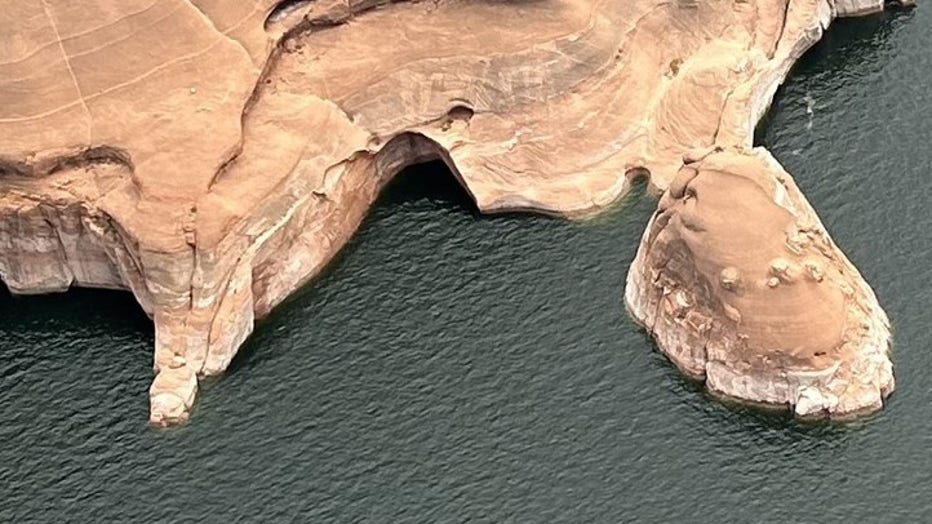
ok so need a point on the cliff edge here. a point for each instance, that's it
(212, 156)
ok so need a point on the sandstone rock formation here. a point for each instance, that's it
(787, 322)
(212, 156)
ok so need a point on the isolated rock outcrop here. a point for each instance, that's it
(212, 156)
(740, 285)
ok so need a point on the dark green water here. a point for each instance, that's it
(451, 367)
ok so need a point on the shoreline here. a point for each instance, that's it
(266, 207)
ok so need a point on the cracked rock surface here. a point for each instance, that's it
(212, 156)
(786, 322)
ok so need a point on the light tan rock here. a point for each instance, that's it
(819, 345)
(858, 7)
(171, 395)
(212, 156)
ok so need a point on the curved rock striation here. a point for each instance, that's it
(213, 156)
(740, 285)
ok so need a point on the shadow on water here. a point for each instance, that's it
(850, 47)
(55, 337)
(103, 309)
(430, 182)
(852, 43)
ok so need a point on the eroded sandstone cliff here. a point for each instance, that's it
(213, 156)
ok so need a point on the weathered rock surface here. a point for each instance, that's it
(213, 156)
(740, 285)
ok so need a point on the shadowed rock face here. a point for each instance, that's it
(213, 156)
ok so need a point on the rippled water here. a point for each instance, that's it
(456, 367)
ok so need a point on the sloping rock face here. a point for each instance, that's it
(213, 156)
(740, 285)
